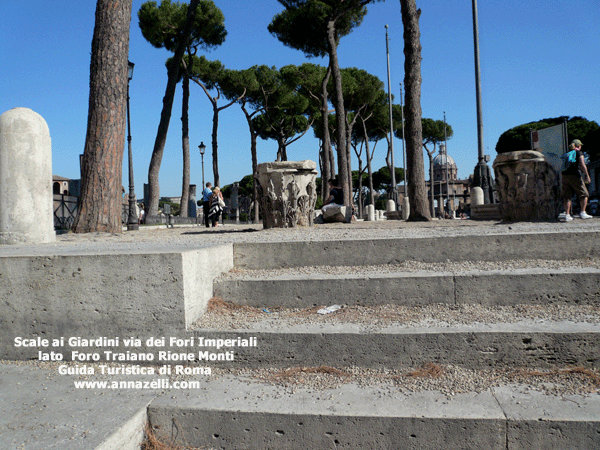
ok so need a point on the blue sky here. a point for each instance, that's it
(538, 58)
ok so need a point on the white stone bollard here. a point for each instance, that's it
(371, 213)
(26, 203)
(405, 208)
(477, 196)
(391, 206)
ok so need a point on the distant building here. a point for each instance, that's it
(66, 197)
(60, 185)
(448, 191)
(65, 186)
(173, 199)
(444, 166)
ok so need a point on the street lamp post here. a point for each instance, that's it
(482, 177)
(403, 148)
(393, 169)
(447, 164)
(132, 221)
(202, 148)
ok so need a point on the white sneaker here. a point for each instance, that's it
(567, 218)
(584, 215)
(562, 216)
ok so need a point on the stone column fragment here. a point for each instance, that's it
(527, 186)
(287, 193)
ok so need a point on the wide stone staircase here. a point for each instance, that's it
(463, 342)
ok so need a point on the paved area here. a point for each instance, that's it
(42, 409)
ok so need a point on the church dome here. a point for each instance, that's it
(443, 160)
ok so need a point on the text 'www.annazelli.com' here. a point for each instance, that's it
(158, 383)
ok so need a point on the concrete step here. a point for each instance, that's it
(237, 413)
(41, 410)
(558, 245)
(428, 407)
(382, 285)
(469, 336)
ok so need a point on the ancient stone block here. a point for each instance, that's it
(337, 213)
(527, 186)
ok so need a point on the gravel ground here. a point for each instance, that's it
(415, 266)
(186, 237)
(447, 379)
(226, 316)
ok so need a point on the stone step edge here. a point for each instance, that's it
(498, 287)
(344, 346)
(233, 414)
(492, 247)
(543, 345)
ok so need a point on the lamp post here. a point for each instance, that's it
(482, 176)
(403, 148)
(393, 168)
(447, 164)
(202, 149)
(132, 222)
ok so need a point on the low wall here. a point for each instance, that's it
(105, 295)
(172, 220)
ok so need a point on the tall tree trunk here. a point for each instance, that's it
(360, 185)
(417, 192)
(349, 169)
(340, 114)
(253, 136)
(369, 159)
(185, 144)
(360, 189)
(165, 115)
(101, 185)
(322, 168)
(215, 145)
(349, 156)
(255, 198)
(215, 129)
(327, 171)
(332, 162)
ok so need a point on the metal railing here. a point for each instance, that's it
(65, 210)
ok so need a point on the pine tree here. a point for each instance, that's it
(100, 201)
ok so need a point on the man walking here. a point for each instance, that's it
(573, 183)
(206, 194)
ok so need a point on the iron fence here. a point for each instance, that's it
(65, 211)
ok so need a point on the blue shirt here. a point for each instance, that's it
(206, 193)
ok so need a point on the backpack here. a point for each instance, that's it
(570, 158)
